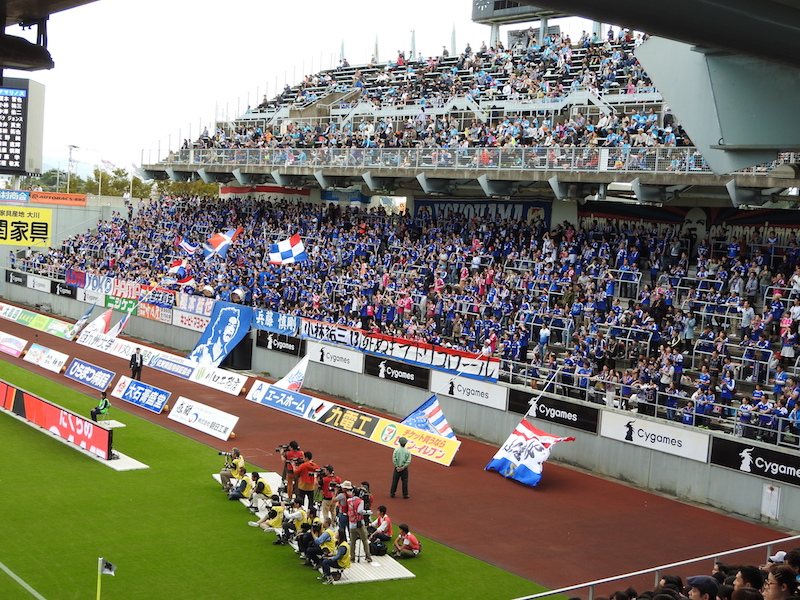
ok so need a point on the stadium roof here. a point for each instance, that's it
(19, 53)
(768, 29)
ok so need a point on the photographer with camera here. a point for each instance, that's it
(306, 474)
(341, 560)
(406, 545)
(261, 492)
(292, 456)
(293, 519)
(243, 486)
(233, 461)
(323, 544)
(381, 528)
(274, 517)
(307, 531)
(327, 482)
(355, 519)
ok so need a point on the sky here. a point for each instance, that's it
(140, 75)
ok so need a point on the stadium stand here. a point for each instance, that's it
(635, 318)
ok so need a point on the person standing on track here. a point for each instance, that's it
(401, 458)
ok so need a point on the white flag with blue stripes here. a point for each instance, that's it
(429, 417)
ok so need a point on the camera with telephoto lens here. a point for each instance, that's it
(227, 455)
(283, 448)
(363, 493)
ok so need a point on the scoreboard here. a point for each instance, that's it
(21, 126)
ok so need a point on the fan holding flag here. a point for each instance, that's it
(287, 251)
(218, 244)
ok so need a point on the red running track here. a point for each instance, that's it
(573, 527)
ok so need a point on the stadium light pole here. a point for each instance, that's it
(69, 165)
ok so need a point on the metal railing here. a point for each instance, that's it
(656, 571)
(686, 160)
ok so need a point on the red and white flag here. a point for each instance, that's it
(293, 380)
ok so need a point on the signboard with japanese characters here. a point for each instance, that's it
(25, 226)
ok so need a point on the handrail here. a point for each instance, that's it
(594, 159)
(657, 570)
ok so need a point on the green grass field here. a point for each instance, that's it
(169, 530)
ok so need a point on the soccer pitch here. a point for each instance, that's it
(168, 529)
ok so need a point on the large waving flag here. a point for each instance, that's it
(219, 243)
(523, 455)
(76, 329)
(429, 417)
(288, 251)
(101, 323)
(293, 380)
(186, 245)
(179, 268)
(117, 329)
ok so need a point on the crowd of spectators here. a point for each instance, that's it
(775, 580)
(591, 300)
(487, 75)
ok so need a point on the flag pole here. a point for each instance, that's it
(99, 575)
(550, 379)
(439, 391)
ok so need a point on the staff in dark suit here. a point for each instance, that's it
(137, 360)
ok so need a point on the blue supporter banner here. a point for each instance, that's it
(141, 394)
(276, 322)
(228, 325)
(293, 403)
(174, 366)
(89, 374)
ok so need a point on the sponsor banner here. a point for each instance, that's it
(64, 290)
(481, 208)
(155, 313)
(395, 371)
(141, 394)
(655, 436)
(469, 389)
(61, 422)
(89, 374)
(554, 410)
(11, 344)
(26, 226)
(39, 283)
(99, 283)
(188, 320)
(219, 379)
(198, 305)
(426, 355)
(126, 305)
(228, 325)
(203, 418)
(35, 321)
(270, 320)
(14, 196)
(343, 418)
(282, 399)
(754, 460)
(174, 365)
(76, 278)
(47, 358)
(17, 278)
(124, 288)
(54, 198)
(91, 297)
(336, 356)
(157, 296)
(280, 343)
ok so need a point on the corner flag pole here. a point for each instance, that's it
(99, 575)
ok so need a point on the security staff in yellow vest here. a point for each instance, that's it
(323, 544)
(340, 561)
(293, 518)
